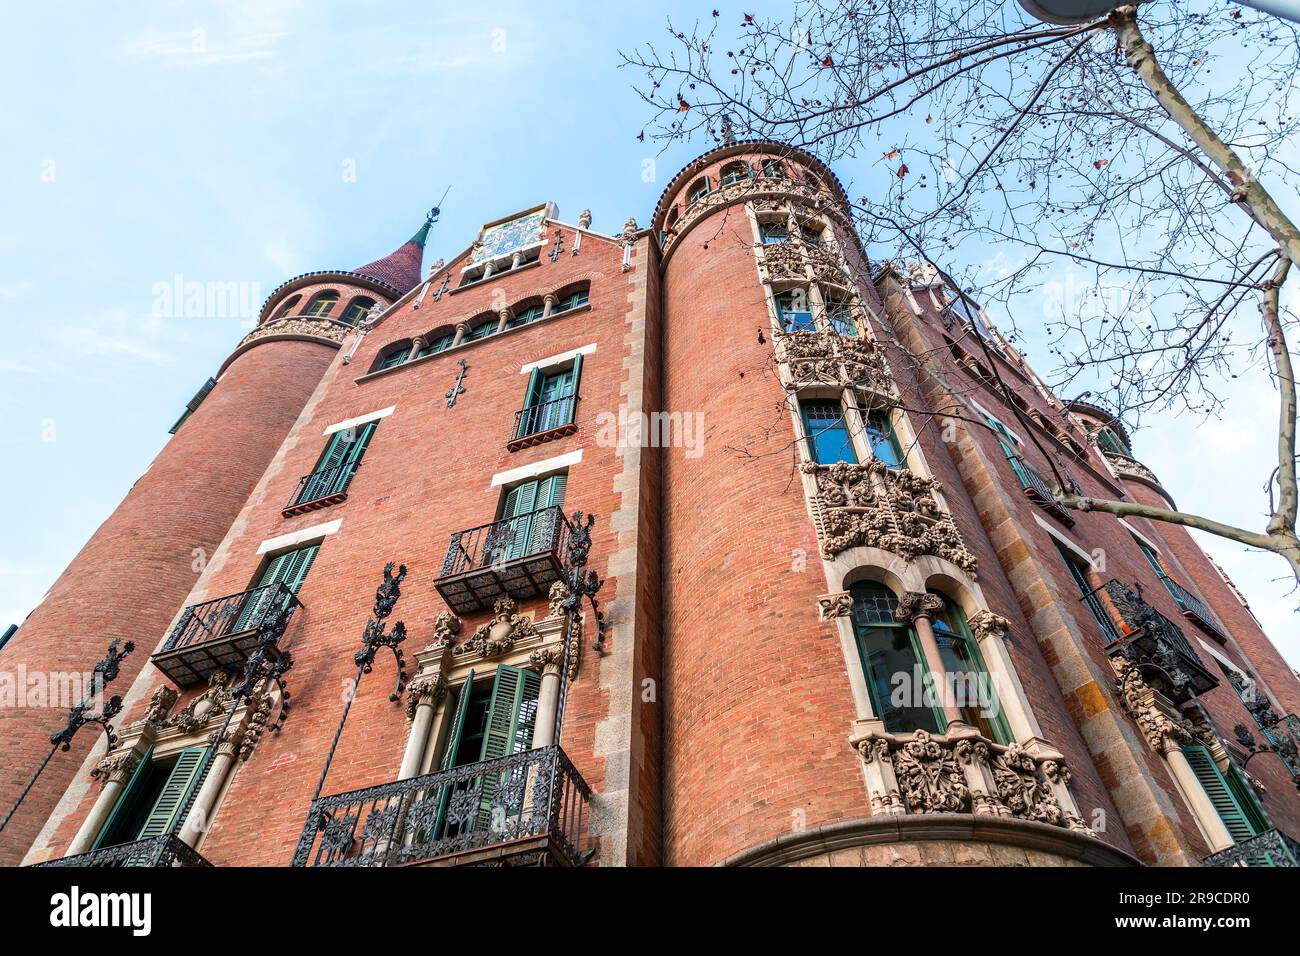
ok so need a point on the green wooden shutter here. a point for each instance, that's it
(511, 713)
(354, 451)
(550, 494)
(1221, 794)
(173, 801)
(569, 409)
(449, 751)
(514, 533)
(131, 796)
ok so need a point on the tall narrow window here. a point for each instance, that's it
(338, 463)
(551, 399)
(826, 432)
(322, 304)
(891, 659)
(773, 232)
(773, 169)
(1230, 795)
(1079, 574)
(491, 720)
(530, 517)
(698, 191)
(884, 443)
(812, 235)
(977, 698)
(1108, 440)
(157, 799)
(793, 308)
(358, 309)
(839, 313)
(289, 569)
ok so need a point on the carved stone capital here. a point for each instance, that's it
(445, 629)
(831, 606)
(547, 660)
(984, 623)
(116, 767)
(428, 687)
(914, 604)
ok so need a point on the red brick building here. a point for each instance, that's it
(844, 621)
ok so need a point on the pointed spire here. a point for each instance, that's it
(400, 269)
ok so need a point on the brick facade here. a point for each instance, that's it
(728, 717)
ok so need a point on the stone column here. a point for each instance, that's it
(417, 343)
(1215, 831)
(199, 820)
(548, 304)
(990, 634)
(422, 696)
(506, 315)
(919, 609)
(116, 770)
(462, 330)
(549, 660)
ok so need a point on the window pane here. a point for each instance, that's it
(827, 433)
(976, 697)
(884, 444)
(890, 659)
(795, 313)
(772, 232)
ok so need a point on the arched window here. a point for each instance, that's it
(892, 661)
(735, 172)
(670, 223)
(393, 355)
(976, 697)
(699, 190)
(435, 343)
(773, 169)
(523, 316)
(573, 300)
(290, 304)
(322, 304)
(483, 329)
(1108, 440)
(358, 309)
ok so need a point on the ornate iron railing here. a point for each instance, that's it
(1270, 848)
(320, 485)
(270, 605)
(168, 850)
(538, 532)
(1149, 638)
(1191, 605)
(533, 802)
(536, 419)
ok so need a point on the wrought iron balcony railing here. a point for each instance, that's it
(1150, 639)
(167, 850)
(321, 488)
(1193, 608)
(220, 634)
(519, 556)
(1039, 489)
(1270, 848)
(526, 808)
(539, 423)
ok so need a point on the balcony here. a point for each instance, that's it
(1270, 848)
(519, 557)
(1154, 643)
(544, 422)
(166, 850)
(1194, 609)
(1039, 490)
(525, 809)
(321, 489)
(220, 634)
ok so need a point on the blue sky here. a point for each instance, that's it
(250, 142)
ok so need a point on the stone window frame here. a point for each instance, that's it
(443, 667)
(318, 297)
(163, 734)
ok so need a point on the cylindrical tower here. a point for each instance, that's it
(755, 696)
(135, 572)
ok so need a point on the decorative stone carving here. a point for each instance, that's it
(545, 657)
(560, 600)
(258, 720)
(984, 623)
(198, 711)
(116, 766)
(499, 634)
(1158, 724)
(872, 506)
(630, 229)
(816, 357)
(796, 262)
(834, 605)
(315, 328)
(1127, 467)
(437, 266)
(445, 630)
(929, 777)
(1023, 789)
(755, 189)
(965, 774)
(914, 604)
(432, 686)
(584, 219)
(160, 705)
